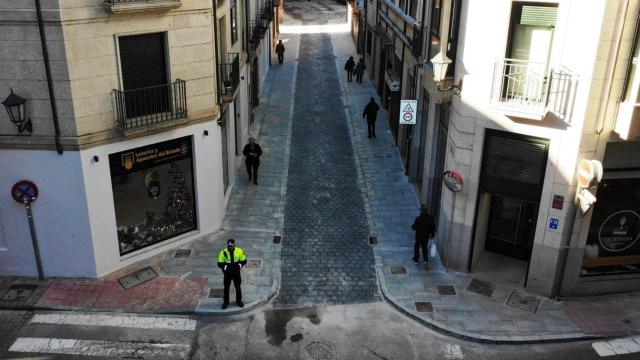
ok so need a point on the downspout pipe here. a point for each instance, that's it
(47, 67)
(630, 62)
(611, 67)
(215, 48)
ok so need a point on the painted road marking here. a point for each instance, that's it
(127, 321)
(100, 348)
(452, 351)
(618, 346)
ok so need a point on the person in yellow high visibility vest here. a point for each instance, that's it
(231, 259)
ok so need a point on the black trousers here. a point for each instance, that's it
(280, 58)
(359, 77)
(371, 128)
(349, 76)
(235, 277)
(252, 170)
(421, 243)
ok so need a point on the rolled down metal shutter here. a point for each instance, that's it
(514, 165)
(142, 58)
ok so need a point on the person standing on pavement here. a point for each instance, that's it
(349, 67)
(425, 228)
(371, 113)
(252, 151)
(231, 260)
(280, 52)
(360, 70)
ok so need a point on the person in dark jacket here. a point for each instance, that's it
(280, 52)
(371, 112)
(360, 70)
(231, 259)
(349, 67)
(252, 151)
(425, 228)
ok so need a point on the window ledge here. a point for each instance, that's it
(120, 7)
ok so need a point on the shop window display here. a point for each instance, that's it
(153, 193)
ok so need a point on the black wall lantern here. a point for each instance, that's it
(14, 105)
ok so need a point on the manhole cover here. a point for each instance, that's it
(318, 350)
(182, 254)
(277, 239)
(138, 277)
(481, 287)
(446, 289)
(373, 240)
(398, 270)
(523, 302)
(253, 264)
(423, 306)
(216, 293)
(19, 292)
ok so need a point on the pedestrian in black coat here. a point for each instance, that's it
(360, 70)
(349, 67)
(425, 228)
(252, 151)
(280, 52)
(371, 112)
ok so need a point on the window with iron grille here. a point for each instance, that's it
(434, 31)
(369, 42)
(234, 21)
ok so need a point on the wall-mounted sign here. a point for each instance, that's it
(620, 231)
(558, 202)
(149, 156)
(453, 180)
(408, 112)
(554, 223)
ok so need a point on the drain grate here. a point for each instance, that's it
(19, 292)
(446, 289)
(523, 302)
(182, 254)
(137, 278)
(481, 287)
(277, 239)
(397, 270)
(253, 264)
(318, 350)
(216, 293)
(423, 306)
(373, 240)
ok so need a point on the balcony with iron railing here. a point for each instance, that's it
(416, 43)
(151, 107)
(257, 29)
(267, 11)
(229, 77)
(126, 6)
(532, 90)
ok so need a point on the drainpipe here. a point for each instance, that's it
(47, 67)
(604, 102)
(215, 46)
(630, 62)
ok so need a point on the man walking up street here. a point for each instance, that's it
(371, 112)
(350, 66)
(252, 151)
(360, 70)
(425, 229)
(231, 259)
(280, 52)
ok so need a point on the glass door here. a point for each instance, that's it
(512, 224)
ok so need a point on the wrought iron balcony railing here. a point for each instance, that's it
(229, 77)
(125, 6)
(267, 11)
(151, 106)
(416, 42)
(531, 90)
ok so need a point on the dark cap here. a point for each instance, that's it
(231, 242)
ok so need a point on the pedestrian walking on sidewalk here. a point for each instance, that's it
(371, 113)
(350, 67)
(252, 151)
(280, 52)
(360, 70)
(425, 228)
(231, 260)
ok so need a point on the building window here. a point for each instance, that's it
(153, 193)
(369, 35)
(434, 31)
(234, 21)
(413, 4)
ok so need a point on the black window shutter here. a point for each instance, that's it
(143, 62)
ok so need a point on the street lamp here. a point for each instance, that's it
(14, 105)
(440, 64)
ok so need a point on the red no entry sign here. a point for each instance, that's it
(24, 190)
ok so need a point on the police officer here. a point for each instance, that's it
(231, 260)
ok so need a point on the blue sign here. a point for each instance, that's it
(553, 223)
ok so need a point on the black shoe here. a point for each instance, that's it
(224, 306)
(369, 136)
(374, 135)
(255, 182)
(240, 303)
(415, 260)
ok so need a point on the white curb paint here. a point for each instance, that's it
(617, 347)
(452, 351)
(100, 348)
(127, 321)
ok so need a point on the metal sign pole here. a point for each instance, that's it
(34, 239)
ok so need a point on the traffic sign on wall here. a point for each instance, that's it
(408, 112)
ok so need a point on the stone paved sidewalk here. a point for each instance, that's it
(452, 301)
